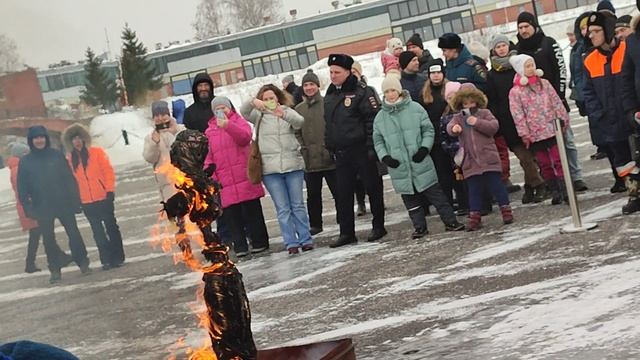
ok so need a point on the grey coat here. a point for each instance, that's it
(277, 140)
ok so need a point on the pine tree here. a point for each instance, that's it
(137, 72)
(99, 88)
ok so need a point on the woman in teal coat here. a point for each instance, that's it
(403, 136)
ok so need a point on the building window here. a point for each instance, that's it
(453, 3)
(428, 33)
(248, 70)
(257, 68)
(268, 69)
(286, 63)
(457, 26)
(404, 10)
(394, 13)
(446, 26)
(442, 4)
(423, 6)
(433, 5)
(295, 65)
(488, 19)
(413, 8)
(275, 64)
(313, 55)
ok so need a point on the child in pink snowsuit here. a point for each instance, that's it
(390, 57)
(535, 106)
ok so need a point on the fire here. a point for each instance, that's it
(166, 234)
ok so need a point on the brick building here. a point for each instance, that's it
(20, 95)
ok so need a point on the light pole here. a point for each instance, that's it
(535, 11)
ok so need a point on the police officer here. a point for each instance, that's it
(349, 109)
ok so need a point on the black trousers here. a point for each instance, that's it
(350, 163)
(434, 195)
(32, 247)
(106, 232)
(314, 194)
(236, 218)
(360, 192)
(444, 169)
(51, 248)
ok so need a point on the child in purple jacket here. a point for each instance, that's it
(475, 126)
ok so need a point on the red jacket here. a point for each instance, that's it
(26, 222)
(97, 179)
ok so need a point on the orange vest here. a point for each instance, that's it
(595, 62)
(97, 179)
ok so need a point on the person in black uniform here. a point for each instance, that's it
(349, 109)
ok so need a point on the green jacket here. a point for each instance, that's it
(399, 130)
(311, 136)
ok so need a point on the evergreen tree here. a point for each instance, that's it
(137, 72)
(99, 88)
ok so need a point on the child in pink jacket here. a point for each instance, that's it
(391, 56)
(229, 145)
(534, 106)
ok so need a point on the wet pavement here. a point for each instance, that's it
(523, 291)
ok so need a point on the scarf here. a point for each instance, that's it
(531, 44)
(502, 63)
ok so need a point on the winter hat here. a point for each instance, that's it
(310, 76)
(467, 86)
(34, 132)
(450, 88)
(450, 41)
(343, 60)
(435, 65)
(416, 40)
(518, 62)
(18, 149)
(584, 21)
(357, 67)
(570, 29)
(391, 83)
(392, 44)
(527, 17)
(221, 100)
(405, 58)
(607, 21)
(498, 39)
(288, 79)
(477, 49)
(606, 5)
(159, 108)
(624, 21)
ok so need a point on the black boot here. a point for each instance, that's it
(618, 187)
(541, 193)
(632, 206)
(56, 276)
(377, 234)
(556, 195)
(418, 233)
(31, 268)
(344, 240)
(634, 200)
(529, 195)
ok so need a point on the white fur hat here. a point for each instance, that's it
(393, 43)
(518, 62)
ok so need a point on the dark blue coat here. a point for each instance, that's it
(466, 69)
(414, 84)
(631, 72)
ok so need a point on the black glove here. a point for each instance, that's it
(111, 196)
(210, 170)
(420, 155)
(390, 162)
(371, 154)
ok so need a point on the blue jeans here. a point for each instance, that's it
(572, 155)
(488, 181)
(286, 193)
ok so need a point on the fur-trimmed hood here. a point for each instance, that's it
(635, 23)
(473, 94)
(75, 130)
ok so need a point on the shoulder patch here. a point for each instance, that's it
(374, 102)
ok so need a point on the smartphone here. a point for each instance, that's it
(220, 114)
(163, 126)
(466, 112)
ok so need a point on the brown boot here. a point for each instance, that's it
(507, 214)
(475, 221)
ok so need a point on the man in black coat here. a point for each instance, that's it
(548, 56)
(349, 109)
(196, 116)
(631, 72)
(410, 78)
(47, 191)
(415, 45)
(289, 85)
(604, 99)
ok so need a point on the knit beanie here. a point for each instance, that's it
(391, 83)
(310, 76)
(392, 44)
(518, 62)
(288, 78)
(18, 149)
(450, 41)
(357, 67)
(435, 65)
(606, 5)
(527, 17)
(624, 21)
(221, 100)
(416, 40)
(450, 89)
(159, 108)
(499, 39)
(405, 58)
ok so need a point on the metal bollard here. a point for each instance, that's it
(577, 226)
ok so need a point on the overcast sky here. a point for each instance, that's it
(47, 31)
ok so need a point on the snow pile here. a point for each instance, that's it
(6, 192)
(106, 131)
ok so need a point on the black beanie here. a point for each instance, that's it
(405, 58)
(607, 21)
(527, 17)
(343, 60)
(310, 76)
(606, 5)
(435, 65)
(416, 40)
(450, 41)
(624, 21)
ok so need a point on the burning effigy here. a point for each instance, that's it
(197, 201)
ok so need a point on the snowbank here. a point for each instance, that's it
(6, 192)
(106, 131)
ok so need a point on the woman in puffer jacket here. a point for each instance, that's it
(282, 162)
(96, 183)
(229, 146)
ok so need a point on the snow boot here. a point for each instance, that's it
(362, 210)
(529, 195)
(56, 276)
(31, 268)
(541, 193)
(419, 233)
(618, 187)
(634, 200)
(507, 214)
(556, 192)
(511, 188)
(475, 221)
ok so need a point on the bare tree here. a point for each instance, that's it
(9, 58)
(211, 19)
(250, 14)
